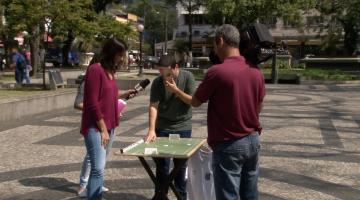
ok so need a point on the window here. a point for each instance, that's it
(196, 19)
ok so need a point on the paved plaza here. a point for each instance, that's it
(310, 148)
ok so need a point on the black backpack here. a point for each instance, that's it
(22, 61)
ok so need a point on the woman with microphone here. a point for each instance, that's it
(100, 111)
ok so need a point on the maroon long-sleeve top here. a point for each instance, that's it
(100, 99)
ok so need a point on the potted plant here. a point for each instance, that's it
(85, 50)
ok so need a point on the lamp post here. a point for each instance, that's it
(166, 29)
(140, 28)
(47, 31)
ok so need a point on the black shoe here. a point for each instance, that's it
(160, 196)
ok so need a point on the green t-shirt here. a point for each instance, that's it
(173, 113)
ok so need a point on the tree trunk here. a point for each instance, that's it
(67, 47)
(34, 48)
(6, 52)
(351, 38)
(190, 26)
(153, 46)
(190, 33)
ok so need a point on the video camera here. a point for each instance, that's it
(256, 43)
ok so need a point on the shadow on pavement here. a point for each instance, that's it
(60, 188)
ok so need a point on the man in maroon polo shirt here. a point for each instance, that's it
(235, 90)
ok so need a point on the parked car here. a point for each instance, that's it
(54, 56)
(150, 61)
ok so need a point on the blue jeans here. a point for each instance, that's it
(236, 168)
(163, 165)
(18, 76)
(86, 165)
(97, 154)
(26, 76)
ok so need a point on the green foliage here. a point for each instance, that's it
(25, 15)
(100, 5)
(77, 18)
(244, 12)
(181, 46)
(2, 26)
(108, 27)
(343, 23)
(155, 14)
(318, 74)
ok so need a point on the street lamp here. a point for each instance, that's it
(166, 29)
(47, 31)
(140, 28)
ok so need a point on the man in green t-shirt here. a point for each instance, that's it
(168, 114)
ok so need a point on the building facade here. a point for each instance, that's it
(300, 41)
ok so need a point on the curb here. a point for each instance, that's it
(16, 108)
(27, 106)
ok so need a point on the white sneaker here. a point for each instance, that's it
(105, 189)
(82, 193)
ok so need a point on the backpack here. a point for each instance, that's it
(22, 61)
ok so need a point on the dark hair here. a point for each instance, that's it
(167, 60)
(108, 53)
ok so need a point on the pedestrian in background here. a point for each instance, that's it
(19, 64)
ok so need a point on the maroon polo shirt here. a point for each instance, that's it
(235, 90)
(100, 99)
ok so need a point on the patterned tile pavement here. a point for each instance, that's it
(310, 148)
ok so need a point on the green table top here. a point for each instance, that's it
(174, 148)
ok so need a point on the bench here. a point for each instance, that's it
(55, 79)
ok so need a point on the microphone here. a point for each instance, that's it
(142, 85)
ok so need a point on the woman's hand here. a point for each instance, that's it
(104, 138)
(128, 94)
(131, 94)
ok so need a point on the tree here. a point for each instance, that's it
(27, 16)
(154, 13)
(2, 18)
(68, 18)
(108, 27)
(244, 12)
(191, 6)
(3, 27)
(71, 19)
(100, 5)
(343, 22)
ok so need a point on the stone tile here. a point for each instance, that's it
(310, 148)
